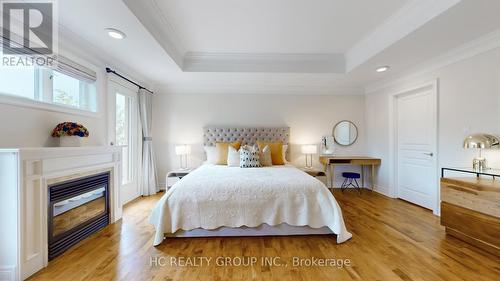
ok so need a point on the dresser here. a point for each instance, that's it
(470, 210)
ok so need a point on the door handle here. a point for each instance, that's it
(429, 154)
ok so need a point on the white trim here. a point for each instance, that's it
(256, 88)
(274, 63)
(162, 185)
(135, 147)
(383, 190)
(392, 99)
(157, 24)
(10, 99)
(8, 273)
(405, 21)
(473, 48)
(46, 106)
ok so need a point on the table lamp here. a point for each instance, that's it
(481, 141)
(183, 150)
(309, 150)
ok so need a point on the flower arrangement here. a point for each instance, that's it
(67, 129)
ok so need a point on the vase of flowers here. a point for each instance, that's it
(70, 134)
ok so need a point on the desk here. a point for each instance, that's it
(331, 161)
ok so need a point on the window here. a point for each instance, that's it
(18, 81)
(49, 86)
(69, 91)
(123, 136)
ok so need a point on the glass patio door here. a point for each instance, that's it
(125, 133)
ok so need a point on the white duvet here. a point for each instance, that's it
(213, 196)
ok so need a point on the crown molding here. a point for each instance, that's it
(156, 23)
(473, 48)
(406, 20)
(255, 62)
(256, 89)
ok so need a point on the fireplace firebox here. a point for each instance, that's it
(77, 208)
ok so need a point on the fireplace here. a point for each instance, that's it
(77, 208)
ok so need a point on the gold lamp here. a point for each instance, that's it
(481, 141)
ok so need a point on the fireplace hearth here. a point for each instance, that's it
(76, 209)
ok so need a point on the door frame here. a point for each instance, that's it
(113, 86)
(433, 86)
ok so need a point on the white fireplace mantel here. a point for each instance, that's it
(24, 176)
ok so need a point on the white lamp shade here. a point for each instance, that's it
(309, 149)
(183, 149)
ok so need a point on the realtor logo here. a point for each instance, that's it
(28, 27)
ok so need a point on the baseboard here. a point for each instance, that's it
(383, 190)
(162, 185)
(7, 273)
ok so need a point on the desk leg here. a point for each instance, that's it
(373, 177)
(327, 172)
(332, 175)
(362, 176)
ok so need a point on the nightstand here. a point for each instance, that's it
(174, 176)
(315, 173)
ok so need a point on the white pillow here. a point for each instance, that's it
(233, 157)
(265, 157)
(212, 155)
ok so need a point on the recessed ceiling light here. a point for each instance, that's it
(382, 69)
(115, 33)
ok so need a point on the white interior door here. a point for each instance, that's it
(124, 132)
(416, 147)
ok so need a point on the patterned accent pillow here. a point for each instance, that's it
(249, 157)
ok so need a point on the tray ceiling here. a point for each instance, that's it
(274, 46)
(273, 26)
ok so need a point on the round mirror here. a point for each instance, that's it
(345, 133)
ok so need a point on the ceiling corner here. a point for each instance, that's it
(159, 27)
(405, 21)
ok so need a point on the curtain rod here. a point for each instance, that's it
(109, 70)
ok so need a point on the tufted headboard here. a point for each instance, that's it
(211, 135)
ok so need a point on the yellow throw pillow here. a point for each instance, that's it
(222, 148)
(276, 151)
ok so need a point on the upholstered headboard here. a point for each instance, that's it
(211, 135)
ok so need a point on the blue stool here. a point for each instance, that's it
(350, 179)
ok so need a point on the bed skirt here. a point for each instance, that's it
(262, 230)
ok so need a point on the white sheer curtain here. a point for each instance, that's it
(148, 180)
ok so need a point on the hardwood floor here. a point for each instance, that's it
(392, 240)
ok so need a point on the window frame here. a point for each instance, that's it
(46, 102)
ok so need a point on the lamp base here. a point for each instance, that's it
(479, 164)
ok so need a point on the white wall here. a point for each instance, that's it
(28, 127)
(180, 118)
(469, 102)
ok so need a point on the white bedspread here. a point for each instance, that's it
(213, 196)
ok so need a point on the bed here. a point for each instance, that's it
(216, 200)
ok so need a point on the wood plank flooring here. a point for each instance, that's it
(392, 240)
